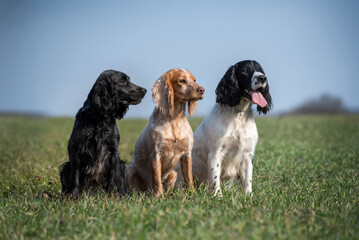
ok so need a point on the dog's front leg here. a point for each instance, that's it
(170, 180)
(113, 171)
(116, 176)
(214, 174)
(156, 177)
(75, 179)
(186, 167)
(246, 171)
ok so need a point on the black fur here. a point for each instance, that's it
(94, 159)
(233, 85)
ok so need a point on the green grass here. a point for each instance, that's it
(305, 185)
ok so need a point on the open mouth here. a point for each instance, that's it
(257, 97)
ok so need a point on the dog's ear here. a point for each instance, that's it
(163, 95)
(192, 107)
(228, 91)
(99, 97)
(268, 98)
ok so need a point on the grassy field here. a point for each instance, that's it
(305, 183)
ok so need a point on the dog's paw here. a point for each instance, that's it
(159, 194)
(218, 194)
(75, 193)
(249, 193)
(192, 189)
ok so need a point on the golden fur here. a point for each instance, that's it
(168, 137)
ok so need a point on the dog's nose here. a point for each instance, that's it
(143, 90)
(200, 90)
(262, 78)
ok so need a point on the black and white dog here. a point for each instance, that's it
(94, 161)
(225, 142)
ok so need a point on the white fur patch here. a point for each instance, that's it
(255, 84)
(223, 147)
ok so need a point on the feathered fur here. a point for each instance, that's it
(225, 142)
(94, 161)
(168, 137)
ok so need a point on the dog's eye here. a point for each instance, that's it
(182, 81)
(194, 80)
(245, 70)
(123, 82)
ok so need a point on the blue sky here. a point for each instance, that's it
(51, 52)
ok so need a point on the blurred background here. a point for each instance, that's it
(51, 52)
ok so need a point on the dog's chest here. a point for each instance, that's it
(174, 150)
(174, 146)
(102, 148)
(240, 138)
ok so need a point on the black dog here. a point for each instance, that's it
(93, 146)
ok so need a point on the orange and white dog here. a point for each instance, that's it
(168, 137)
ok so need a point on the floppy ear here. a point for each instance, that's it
(228, 91)
(99, 97)
(192, 107)
(268, 98)
(163, 95)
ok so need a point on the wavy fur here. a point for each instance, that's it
(94, 160)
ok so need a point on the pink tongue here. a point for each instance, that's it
(258, 99)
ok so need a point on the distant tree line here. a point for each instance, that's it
(325, 104)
